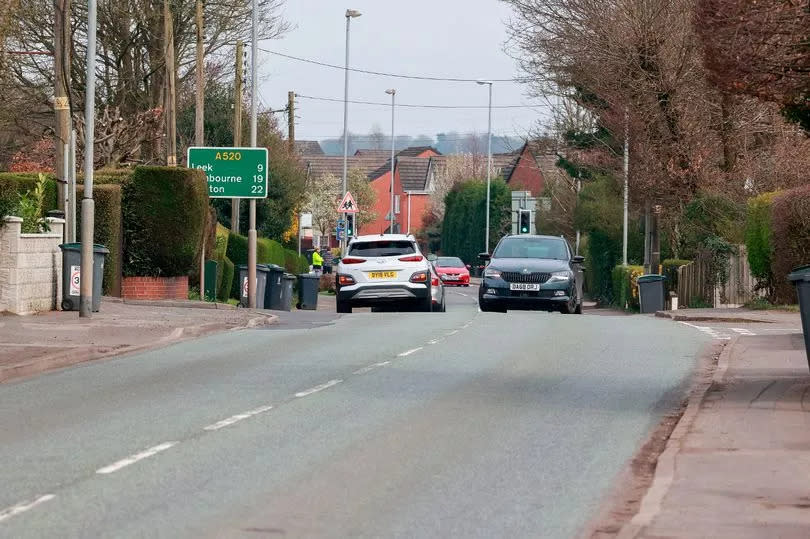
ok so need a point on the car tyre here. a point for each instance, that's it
(425, 305)
(344, 307)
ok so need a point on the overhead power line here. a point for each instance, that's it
(380, 103)
(394, 75)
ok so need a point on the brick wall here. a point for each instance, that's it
(30, 268)
(153, 288)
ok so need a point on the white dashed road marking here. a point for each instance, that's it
(14, 510)
(409, 352)
(449, 333)
(123, 463)
(315, 389)
(434, 341)
(371, 367)
(237, 418)
(743, 331)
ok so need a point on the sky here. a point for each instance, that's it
(446, 38)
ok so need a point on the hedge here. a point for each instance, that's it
(13, 185)
(164, 212)
(758, 237)
(225, 279)
(669, 268)
(267, 252)
(790, 219)
(465, 218)
(107, 231)
(625, 286)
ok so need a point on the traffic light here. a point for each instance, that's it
(349, 225)
(524, 224)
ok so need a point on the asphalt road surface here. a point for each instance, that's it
(463, 424)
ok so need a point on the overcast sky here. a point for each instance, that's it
(450, 38)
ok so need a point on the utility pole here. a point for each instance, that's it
(254, 102)
(61, 102)
(291, 121)
(626, 181)
(199, 120)
(237, 125)
(88, 205)
(171, 102)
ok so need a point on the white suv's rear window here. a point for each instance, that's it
(382, 248)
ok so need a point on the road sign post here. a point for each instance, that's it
(232, 172)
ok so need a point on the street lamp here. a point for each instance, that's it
(350, 14)
(393, 93)
(489, 158)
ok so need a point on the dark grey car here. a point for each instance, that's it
(534, 273)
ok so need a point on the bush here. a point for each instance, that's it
(327, 284)
(625, 286)
(758, 238)
(465, 218)
(710, 215)
(106, 231)
(225, 283)
(164, 212)
(14, 185)
(669, 268)
(790, 214)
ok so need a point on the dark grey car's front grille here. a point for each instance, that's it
(518, 277)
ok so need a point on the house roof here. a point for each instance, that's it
(328, 164)
(415, 151)
(308, 147)
(378, 154)
(413, 172)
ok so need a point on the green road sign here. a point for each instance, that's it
(232, 172)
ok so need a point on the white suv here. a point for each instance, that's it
(387, 269)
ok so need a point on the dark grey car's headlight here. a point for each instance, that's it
(560, 277)
(491, 272)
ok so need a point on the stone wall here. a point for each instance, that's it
(30, 267)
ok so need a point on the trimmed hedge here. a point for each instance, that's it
(669, 268)
(164, 211)
(107, 231)
(13, 185)
(625, 286)
(790, 214)
(758, 237)
(225, 280)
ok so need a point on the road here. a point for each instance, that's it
(463, 424)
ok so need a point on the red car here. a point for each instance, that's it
(453, 271)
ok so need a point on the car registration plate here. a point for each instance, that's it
(382, 275)
(532, 287)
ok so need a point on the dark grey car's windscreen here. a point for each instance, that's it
(382, 248)
(517, 247)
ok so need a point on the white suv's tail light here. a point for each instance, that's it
(345, 280)
(352, 260)
(420, 277)
(414, 258)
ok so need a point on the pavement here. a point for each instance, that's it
(736, 464)
(457, 424)
(730, 315)
(30, 345)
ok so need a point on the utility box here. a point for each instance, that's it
(210, 285)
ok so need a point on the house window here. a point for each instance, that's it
(396, 203)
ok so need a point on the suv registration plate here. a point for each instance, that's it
(382, 275)
(533, 287)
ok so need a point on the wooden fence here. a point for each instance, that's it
(695, 290)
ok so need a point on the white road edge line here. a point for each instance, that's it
(743, 331)
(123, 463)
(409, 352)
(449, 333)
(14, 510)
(237, 418)
(315, 389)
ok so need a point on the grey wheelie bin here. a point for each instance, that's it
(287, 285)
(801, 280)
(261, 284)
(651, 293)
(308, 284)
(71, 275)
(272, 294)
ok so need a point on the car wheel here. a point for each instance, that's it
(344, 307)
(488, 307)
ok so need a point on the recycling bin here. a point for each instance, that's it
(800, 277)
(651, 293)
(261, 284)
(272, 294)
(72, 278)
(308, 285)
(287, 285)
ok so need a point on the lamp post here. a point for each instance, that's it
(393, 93)
(254, 81)
(350, 14)
(88, 204)
(489, 159)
